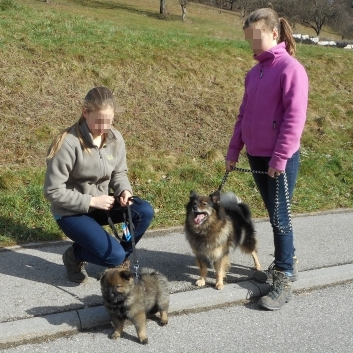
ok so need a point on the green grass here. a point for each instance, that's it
(180, 84)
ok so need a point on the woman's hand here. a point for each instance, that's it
(123, 198)
(103, 202)
(272, 172)
(230, 165)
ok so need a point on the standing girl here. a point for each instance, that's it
(84, 162)
(270, 124)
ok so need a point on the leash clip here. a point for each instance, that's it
(136, 270)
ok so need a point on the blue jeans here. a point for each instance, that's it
(95, 245)
(280, 219)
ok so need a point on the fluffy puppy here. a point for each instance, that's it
(128, 297)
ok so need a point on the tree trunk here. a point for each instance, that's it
(183, 11)
(162, 9)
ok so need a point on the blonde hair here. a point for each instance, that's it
(270, 20)
(97, 98)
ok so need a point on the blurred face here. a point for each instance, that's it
(260, 40)
(100, 121)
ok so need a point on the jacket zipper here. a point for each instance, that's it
(261, 74)
(101, 162)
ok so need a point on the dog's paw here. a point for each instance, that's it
(115, 335)
(144, 340)
(201, 282)
(164, 322)
(219, 286)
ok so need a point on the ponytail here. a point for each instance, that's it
(286, 36)
(59, 139)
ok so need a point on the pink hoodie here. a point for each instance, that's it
(273, 112)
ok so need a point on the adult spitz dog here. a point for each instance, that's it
(215, 224)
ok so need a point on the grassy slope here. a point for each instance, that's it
(180, 84)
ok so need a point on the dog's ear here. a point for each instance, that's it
(216, 197)
(126, 275)
(193, 194)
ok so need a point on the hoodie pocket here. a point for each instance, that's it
(275, 128)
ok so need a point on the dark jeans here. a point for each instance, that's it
(280, 219)
(95, 245)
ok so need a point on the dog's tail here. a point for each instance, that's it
(241, 217)
(229, 200)
(248, 243)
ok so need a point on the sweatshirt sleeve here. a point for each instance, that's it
(56, 177)
(119, 179)
(236, 143)
(295, 88)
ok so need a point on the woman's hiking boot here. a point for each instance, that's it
(279, 294)
(266, 276)
(74, 269)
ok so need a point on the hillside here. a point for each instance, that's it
(180, 85)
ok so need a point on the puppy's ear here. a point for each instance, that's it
(100, 275)
(193, 194)
(126, 275)
(216, 197)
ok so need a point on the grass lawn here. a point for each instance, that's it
(179, 84)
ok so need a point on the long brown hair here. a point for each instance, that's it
(270, 20)
(97, 98)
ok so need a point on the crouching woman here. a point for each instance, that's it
(85, 162)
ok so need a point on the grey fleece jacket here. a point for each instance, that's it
(73, 175)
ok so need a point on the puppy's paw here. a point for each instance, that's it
(115, 335)
(201, 282)
(219, 286)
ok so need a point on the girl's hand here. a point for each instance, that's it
(272, 172)
(230, 165)
(123, 198)
(103, 202)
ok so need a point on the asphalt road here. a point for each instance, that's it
(316, 321)
(38, 303)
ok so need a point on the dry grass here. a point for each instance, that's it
(181, 85)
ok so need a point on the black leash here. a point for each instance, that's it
(275, 222)
(136, 265)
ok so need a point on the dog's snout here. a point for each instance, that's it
(111, 293)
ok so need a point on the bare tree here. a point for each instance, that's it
(162, 8)
(231, 4)
(287, 9)
(183, 4)
(317, 13)
(247, 6)
(343, 22)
